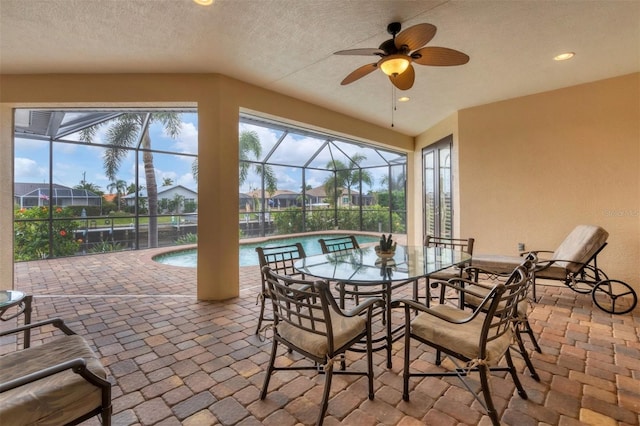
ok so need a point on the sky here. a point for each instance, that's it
(73, 163)
(296, 150)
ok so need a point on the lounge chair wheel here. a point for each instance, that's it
(614, 296)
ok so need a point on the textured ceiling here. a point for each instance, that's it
(287, 46)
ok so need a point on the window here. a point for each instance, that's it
(90, 181)
(297, 180)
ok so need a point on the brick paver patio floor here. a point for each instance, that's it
(175, 360)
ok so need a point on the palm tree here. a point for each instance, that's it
(124, 132)
(132, 189)
(346, 177)
(397, 183)
(89, 187)
(119, 186)
(249, 148)
(167, 181)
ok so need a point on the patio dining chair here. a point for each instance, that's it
(474, 341)
(308, 321)
(341, 244)
(521, 320)
(280, 259)
(338, 244)
(464, 245)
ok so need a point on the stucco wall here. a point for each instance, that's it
(219, 100)
(534, 167)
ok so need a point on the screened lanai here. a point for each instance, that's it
(331, 182)
(291, 179)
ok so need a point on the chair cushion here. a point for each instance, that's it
(506, 264)
(56, 399)
(580, 245)
(461, 338)
(445, 274)
(344, 329)
(497, 263)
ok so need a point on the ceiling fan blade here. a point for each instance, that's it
(439, 56)
(359, 73)
(361, 52)
(416, 36)
(405, 80)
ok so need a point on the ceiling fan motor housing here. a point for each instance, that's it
(394, 28)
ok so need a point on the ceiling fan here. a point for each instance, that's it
(397, 53)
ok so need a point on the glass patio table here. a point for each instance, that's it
(375, 276)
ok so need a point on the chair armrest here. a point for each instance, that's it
(368, 304)
(56, 322)
(537, 254)
(76, 365)
(469, 270)
(411, 305)
(541, 265)
(458, 285)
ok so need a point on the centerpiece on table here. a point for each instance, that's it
(387, 247)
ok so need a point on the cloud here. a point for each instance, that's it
(187, 142)
(28, 170)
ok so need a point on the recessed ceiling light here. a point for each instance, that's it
(404, 99)
(204, 2)
(564, 56)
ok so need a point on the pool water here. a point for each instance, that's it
(248, 255)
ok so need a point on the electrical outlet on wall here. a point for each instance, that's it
(520, 246)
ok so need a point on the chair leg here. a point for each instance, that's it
(483, 371)
(261, 316)
(427, 293)
(342, 294)
(328, 375)
(438, 357)
(106, 416)
(514, 375)
(369, 362)
(405, 371)
(525, 355)
(527, 329)
(267, 377)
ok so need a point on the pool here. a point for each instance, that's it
(248, 255)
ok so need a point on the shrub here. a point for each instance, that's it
(32, 233)
(187, 239)
(105, 246)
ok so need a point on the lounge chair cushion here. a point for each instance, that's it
(579, 246)
(57, 399)
(344, 330)
(462, 338)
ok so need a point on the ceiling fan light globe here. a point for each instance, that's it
(394, 64)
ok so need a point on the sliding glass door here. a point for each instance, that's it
(437, 196)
